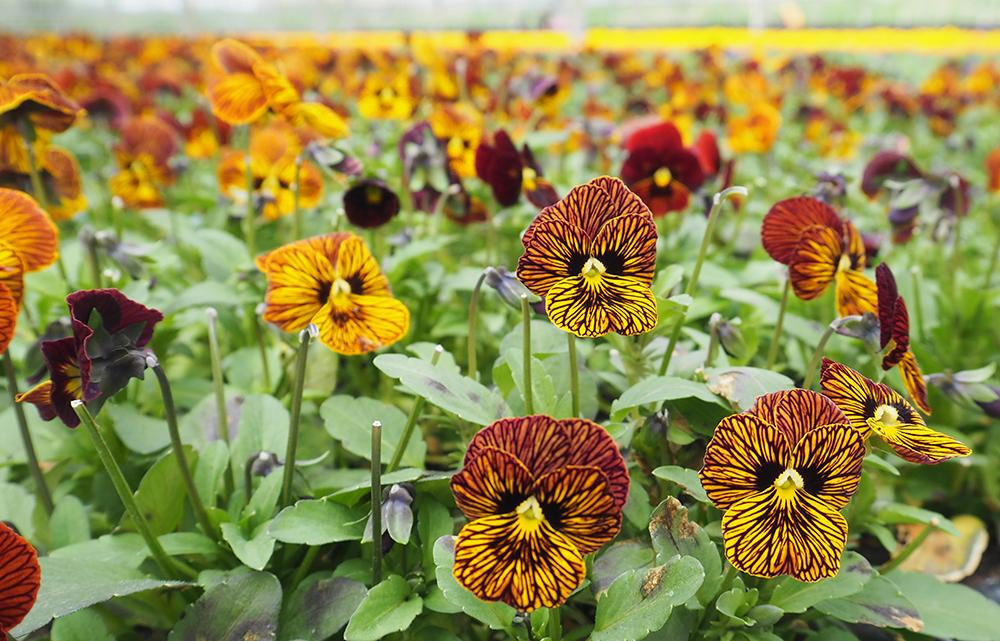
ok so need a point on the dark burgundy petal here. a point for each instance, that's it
(370, 203)
(887, 165)
(499, 165)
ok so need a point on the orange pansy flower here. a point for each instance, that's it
(143, 157)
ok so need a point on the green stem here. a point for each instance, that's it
(555, 625)
(706, 240)
(818, 353)
(713, 339)
(574, 374)
(411, 422)
(304, 566)
(994, 258)
(219, 384)
(170, 411)
(167, 565)
(772, 351)
(376, 500)
(910, 548)
(305, 339)
(956, 247)
(250, 222)
(470, 343)
(526, 618)
(95, 261)
(262, 349)
(529, 403)
(41, 488)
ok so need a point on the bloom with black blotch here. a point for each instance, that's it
(540, 494)
(370, 203)
(781, 472)
(874, 408)
(660, 169)
(592, 257)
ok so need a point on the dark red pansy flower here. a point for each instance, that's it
(499, 165)
(954, 199)
(660, 169)
(21, 578)
(706, 148)
(894, 321)
(537, 190)
(370, 203)
(887, 165)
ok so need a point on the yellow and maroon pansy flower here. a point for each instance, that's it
(22, 576)
(808, 236)
(508, 172)
(143, 155)
(874, 408)
(894, 335)
(27, 231)
(54, 397)
(592, 256)
(782, 471)
(334, 282)
(540, 494)
(386, 95)
(660, 169)
(35, 98)
(460, 126)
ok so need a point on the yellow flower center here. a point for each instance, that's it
(592, 270)
(885, 421)
(529, 514)
(662, 177)
(340, 288)
(373, 195)
(844, 264)
(528, 178)
(787, 483)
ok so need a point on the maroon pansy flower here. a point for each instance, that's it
(660, 169)
(508, 172)
(370, 203)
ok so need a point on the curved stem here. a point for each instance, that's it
(706, 240)
(376, 500)
(529, 403)
(167, 565)
(219, 384)
(574, 374)
(810, 376)
(910, 548)
(304, 566)
(41, 487)
(411, 422)
(178, 446)
(305, 339)
(772, 351)
(470, 344)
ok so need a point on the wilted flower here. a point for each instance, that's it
(894, 336)
(510, 289)
(370, 203)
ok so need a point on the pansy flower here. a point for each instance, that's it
(887, 166)
(427, 173)
(508, 172)
(143, 157)
(34, 98)
(808, 236)
(592, 257)
(874, 408)
(370, 203)
(755, 131)
(460, 127)
(781, 472)
(22, 576)
(660, 169)
(540, 494)
(334, 282)
(894, 337)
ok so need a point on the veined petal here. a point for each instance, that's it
(587, 207)
(627, 247)
(27, 230)
(626, 202)
(815, 261)
(238, 98)
(578, 502)
(298, 285)
(493, 482)
(888, 295)
(318, 117)
(856, 396)
(21, 577)
(591, 445)
(785, 223)
(361, 324)
(11, 273)
(913, 441)
(281, 95)
(743, 458)
(556, 250)
(796, 412)
(41, 397)
(590, 309)
(856, 294)
(767, 535)
(540, 442)
(913, 380)
(498, 559)
(899, 342)
(326, 244)
(232, 56)
(357, 266)
(829, 459)
(854, 245)
(8, 317)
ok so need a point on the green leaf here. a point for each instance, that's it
(742, 385)
(242, 606)
(686, 478)
(444, 388)
(71, 584)
(672, 533)
(543, 390)
(210, 471)
(640, 601)
(320, 607)
(349, 420)
(878, 603)
(894, 513)
(657, 389)
(390, 606)
(161, 494)
(70, 523)
(126, 550)
(616, 560)
(433, 521)
(795, 596)
(265, 498)
(316, 522)
(84, 625)
(949, 610)
(222, 254)
(140, 433)
(263, 427)
(207, 293)
(255, 551)
(496, 615)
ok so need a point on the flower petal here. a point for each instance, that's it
(788, 219)
(361, 324)
(829, 459)
(540, 442)
(556, 250)
(591, 309)
(238, 98)
(627, 247)
(21, 577)
(578, 502)
(814, 263)
(232, 56)
(913, 380)
(591, 445)
(626, 203)
(357, 266)
(497, 559)
(11, 273)
(856, 294)
(8, 316)
(913, 441)
(744, 457)
(27, 230)
(492, 482)
(41, 397)
(585, 206)
(796, 412)
(856, 396)
(298, 280)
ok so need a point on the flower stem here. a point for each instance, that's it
(956, 247)
(411, 422)
(470, 344)
(94, 259)
(574, 374)
(529, 403)
(706, 240)
(810, 376)
(555, 625)
(772, 351)
(918, 311)
(250, 222)
(41, 488)
(994, 258)
(220, 387)
(304, 566)
(376, 500)
(167, 565)
(910, 548)
(526, 619)
(713, 339)
(175, 442)
(305, 339)
(264, 365)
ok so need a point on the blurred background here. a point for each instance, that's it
(192, 16)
